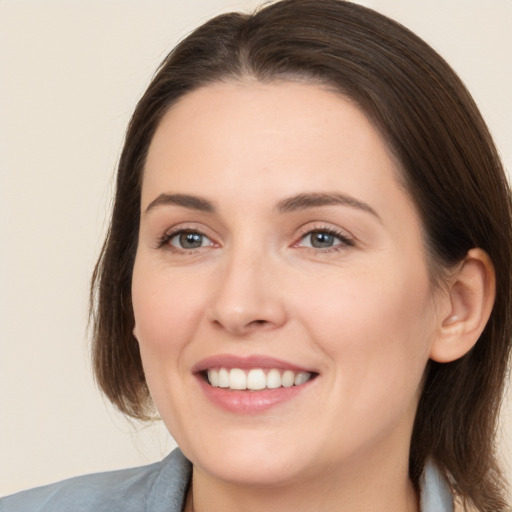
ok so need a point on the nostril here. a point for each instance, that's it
(242, 328)
(257, 323)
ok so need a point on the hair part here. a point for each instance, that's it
(450, 167)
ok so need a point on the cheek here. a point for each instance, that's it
(376, 329)
(167, 314)
(170, 307)
(166, 309)
(377, 341)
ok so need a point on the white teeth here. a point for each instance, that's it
(237, 379)
(213, 377)
(256, 379)
(287, 379)
(300, 378)
(273, 379)
(223, 378)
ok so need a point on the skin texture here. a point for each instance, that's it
(361, 314)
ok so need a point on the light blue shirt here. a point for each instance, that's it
(159, 487)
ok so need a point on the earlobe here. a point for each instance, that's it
(471, 297)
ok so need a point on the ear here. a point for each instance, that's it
(469, 303)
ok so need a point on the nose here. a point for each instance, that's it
(249, 297)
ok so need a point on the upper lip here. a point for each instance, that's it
(246, 363)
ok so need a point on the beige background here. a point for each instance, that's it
(71, 72)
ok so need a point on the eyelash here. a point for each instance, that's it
(343, 237)
(165, 239)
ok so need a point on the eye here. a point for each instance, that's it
(189, 240)
(324, 239)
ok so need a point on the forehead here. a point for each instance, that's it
(237, 129)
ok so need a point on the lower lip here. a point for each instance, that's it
(250, 402)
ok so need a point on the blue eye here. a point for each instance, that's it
(324, 239)
(189, 240)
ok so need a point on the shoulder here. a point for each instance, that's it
(159, 486)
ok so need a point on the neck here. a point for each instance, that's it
(367, 487)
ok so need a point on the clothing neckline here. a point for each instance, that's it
(435, 494)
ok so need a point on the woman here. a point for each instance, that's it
(307, 273)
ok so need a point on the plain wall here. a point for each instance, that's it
(71, 72)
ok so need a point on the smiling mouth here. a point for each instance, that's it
(256, 379)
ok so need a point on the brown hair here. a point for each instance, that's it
(450, 166)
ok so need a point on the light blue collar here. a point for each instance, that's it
(435, 493)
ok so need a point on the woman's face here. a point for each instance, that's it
(278, 246)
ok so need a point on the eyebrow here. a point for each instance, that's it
(313, 200)
(185, 200)
(290, 204)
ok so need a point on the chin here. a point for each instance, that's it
(251, 461)
(254, 471)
